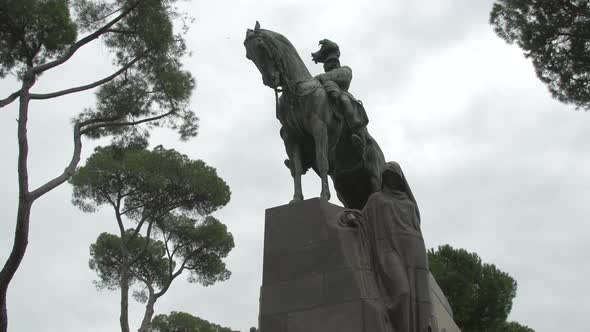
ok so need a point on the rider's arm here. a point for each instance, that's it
(342, 76)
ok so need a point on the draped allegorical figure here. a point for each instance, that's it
(392, 227)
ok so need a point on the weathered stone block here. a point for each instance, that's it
(317, 276)
(342, 317)
(291, 295)
(274, 323)
(295, 226)
(348, 285)
(300, 263)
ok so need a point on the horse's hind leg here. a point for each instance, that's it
(320, 137)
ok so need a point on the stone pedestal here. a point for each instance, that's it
(317, 276)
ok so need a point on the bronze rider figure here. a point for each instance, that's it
(336, 80)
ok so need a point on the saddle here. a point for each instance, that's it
(306, 87)
(303, 88)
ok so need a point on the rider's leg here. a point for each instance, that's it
(359, 131)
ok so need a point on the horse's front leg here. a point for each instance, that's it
(294, 163)
(296, 171)
(320, 137)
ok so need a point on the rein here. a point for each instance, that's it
(276, 102)
(278, 60)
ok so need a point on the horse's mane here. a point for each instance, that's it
(282, 50)
(275, 36)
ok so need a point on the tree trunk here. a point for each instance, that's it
(19, 247)
(124, 283)
(149, 312)
(21, 233)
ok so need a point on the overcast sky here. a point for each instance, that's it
(497, 166)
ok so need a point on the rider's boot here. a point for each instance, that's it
(359, 131)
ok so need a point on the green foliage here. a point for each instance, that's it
(32, 31)
(157, 84)
(170, 194)
(106, 260)
(200, 245)
(183, 322)
(148, 89)
(148, 183)
(555, 35)
(143, 40)
(480, 294)
(514, 327)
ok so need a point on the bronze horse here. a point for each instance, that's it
(314, 132)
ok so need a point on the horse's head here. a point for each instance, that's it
(260, 50)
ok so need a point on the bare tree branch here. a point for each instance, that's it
(170, 261)
(133, 208)
(9, 99)
(120, 224)
(178, 272)
(109, 14)
(120, 124)
(147, 243)
(48, 65)
(172, 277)
(78, 132)
(139, 226)
(106, 195)
(68, 171)
(87, 86)
(178, 247)
(121, 31)
(148, 234)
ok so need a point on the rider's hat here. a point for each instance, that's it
(329, 50)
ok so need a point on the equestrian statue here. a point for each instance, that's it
(323, 125)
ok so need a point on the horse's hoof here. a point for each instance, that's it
(296, 199)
